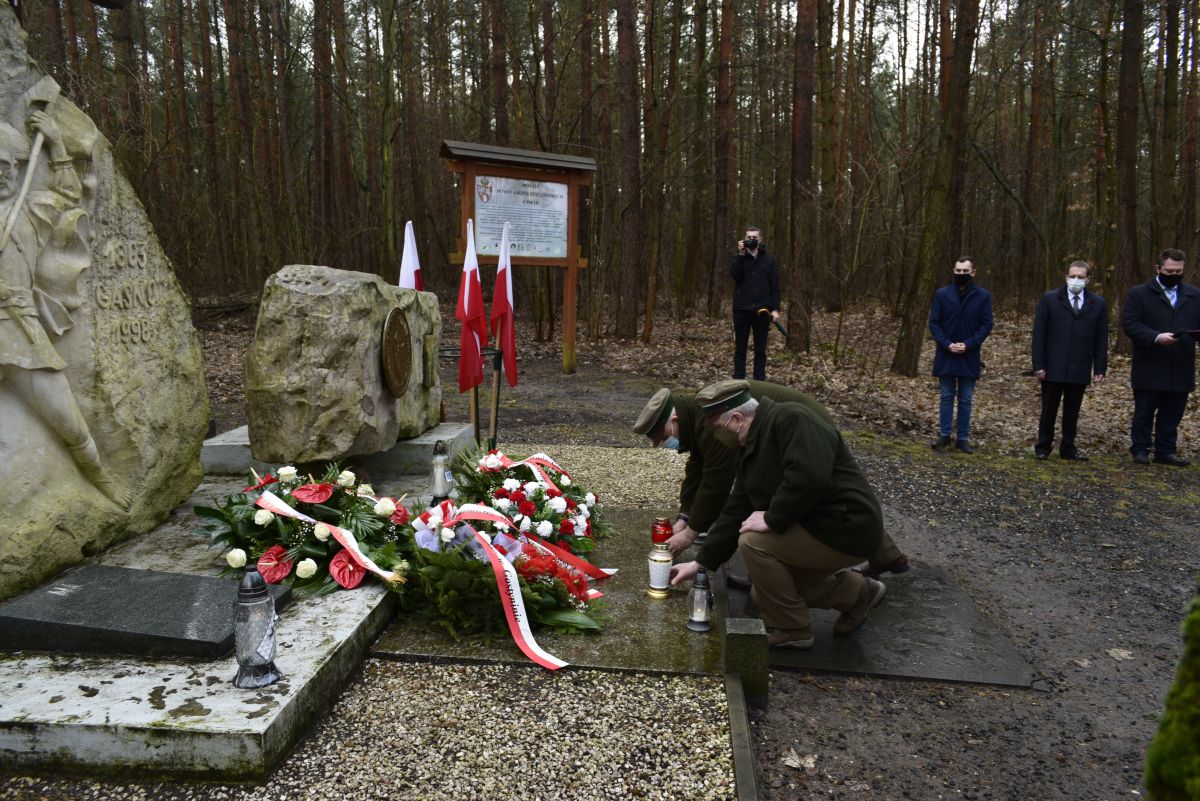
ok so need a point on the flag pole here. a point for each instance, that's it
(497, 367)
(475, 413)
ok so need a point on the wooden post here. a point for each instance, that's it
(474, 412)
(497, 369)
(570, 277)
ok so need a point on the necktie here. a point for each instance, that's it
(1075, 300)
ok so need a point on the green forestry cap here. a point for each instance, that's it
(655, 414)
(723, 395)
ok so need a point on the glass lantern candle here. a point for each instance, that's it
(440, 479)
(659, 561)
(700, 601)
(254, 633)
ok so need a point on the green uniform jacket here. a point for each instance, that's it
(796, 468)
(708, 474)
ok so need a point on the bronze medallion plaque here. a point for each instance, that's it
(397, 353)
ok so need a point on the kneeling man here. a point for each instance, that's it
(801, 512)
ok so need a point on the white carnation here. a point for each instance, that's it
(511, 484)
(447, 534)
(385, 507)
(306, 569)
(590, 498)
(559, 505)
(565, 480)
(545, 528)
(492, 462)
(287, 474)
(501, 526)
(263, 517)
(236, 558)
(501, 503)
(524, 523)
(346, 479)
(532, 487)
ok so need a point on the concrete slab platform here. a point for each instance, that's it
(926, 627)
(229, 453)
(179, 717)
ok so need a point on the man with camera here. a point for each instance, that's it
(755, 290)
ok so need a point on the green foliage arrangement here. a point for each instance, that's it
(1173, 759)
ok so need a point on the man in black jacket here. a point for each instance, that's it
(755, 287)
(1070, 348)
(1162, 317)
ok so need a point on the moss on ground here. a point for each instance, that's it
(1173, 759)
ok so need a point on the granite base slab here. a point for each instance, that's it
(926, 627)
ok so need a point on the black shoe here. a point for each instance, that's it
(739, 580)
(941, 444)
(1141, 457)
(1173, 459)
(898, 565)
(964, 446)
(1041, 455)
(1073, 457)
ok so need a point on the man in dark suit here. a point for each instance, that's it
(1070, 348)
(1162, 317)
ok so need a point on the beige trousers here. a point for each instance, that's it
(793, 571)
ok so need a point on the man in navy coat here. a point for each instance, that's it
(1162, 317)
(960, 320)
(1070, 348)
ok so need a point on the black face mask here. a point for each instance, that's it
(962, 279)
(751, 244)
(1170, 281)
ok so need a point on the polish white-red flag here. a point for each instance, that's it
(502, 310)
(410, 265)
(472, 317)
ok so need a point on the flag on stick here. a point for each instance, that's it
(410, 265)
(471, 315)
(502, 311)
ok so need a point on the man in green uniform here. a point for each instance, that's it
(673, 419)
(801, 511)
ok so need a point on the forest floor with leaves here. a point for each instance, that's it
(1085, 567)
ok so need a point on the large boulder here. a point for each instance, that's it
(102, 396)
(315, 387)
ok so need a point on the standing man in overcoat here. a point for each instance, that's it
(755, 288)
(1070, 349)
(1162, 317)
(960, 319)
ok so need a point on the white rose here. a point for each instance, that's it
(306, 569)
(236, 558)
(447, 534)
(321, 533)
(501, 503)
(545, 528)
(365, 491)
(511, 484)
(532, 487)
(590, 498)
(565, 481)
(385, 507)
(524, 523)
(287, 474)
(559, 505)
(346, 479)
(263, 517)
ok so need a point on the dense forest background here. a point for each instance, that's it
(872, 140)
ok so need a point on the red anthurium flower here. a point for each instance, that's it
(266, 480)
(274, 564)
(400, 516)
(313, 493)
(345, 571)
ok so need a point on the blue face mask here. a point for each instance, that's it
(670, 442)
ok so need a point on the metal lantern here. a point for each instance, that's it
(440, 479)
(254, 633)
(659, 561)
(701, 603)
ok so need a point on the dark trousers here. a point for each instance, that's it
(1071, 396)
(743, 321)
(1169, 407)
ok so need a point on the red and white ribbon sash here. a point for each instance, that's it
(537, 463)
(582, 565)
(274, 504)
(514, 606)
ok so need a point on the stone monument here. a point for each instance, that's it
(343, 364)
(102, 396)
